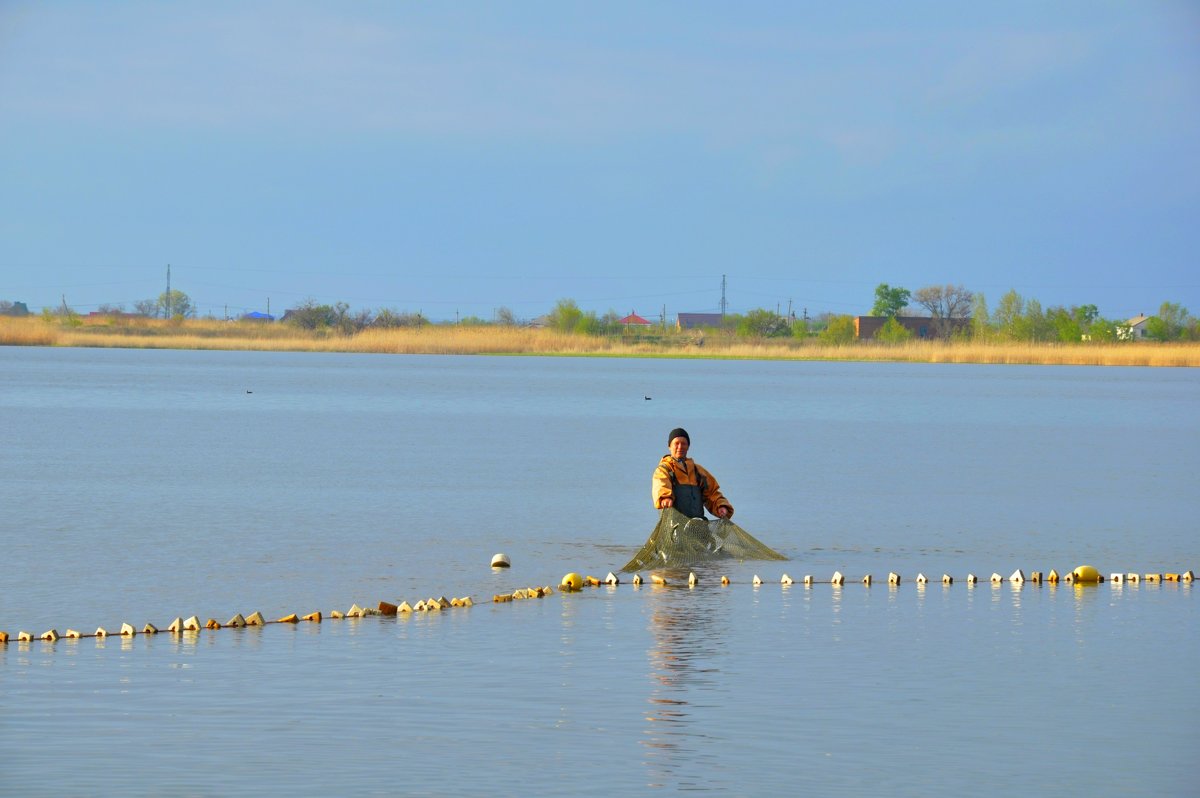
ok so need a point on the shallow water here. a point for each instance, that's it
(139, 486)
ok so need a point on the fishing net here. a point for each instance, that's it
(681, 541)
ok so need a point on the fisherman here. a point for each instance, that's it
(681, 483)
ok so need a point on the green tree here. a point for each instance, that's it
(1169, 324)
(1067, 328)
(840, 330)
(565, 316)
(893, 332)
(1008, 316)
(981, 319)
(762, 323)
(1038, 327)
(889, 301)
(175, 304)
(588, 323)
(1103, 330)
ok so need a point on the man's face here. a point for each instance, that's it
(679, 447)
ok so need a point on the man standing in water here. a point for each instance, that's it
(680, 483)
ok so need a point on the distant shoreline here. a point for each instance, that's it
(522, 341)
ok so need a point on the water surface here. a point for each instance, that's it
(142, 485)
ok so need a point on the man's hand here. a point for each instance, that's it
(723, 511)
(666, 502)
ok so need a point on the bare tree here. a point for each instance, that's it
(946, 304)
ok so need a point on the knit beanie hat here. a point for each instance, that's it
(678, 432)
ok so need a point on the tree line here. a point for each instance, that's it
(952, 310)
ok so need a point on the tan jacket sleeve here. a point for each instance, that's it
(660, 486)
(713, 498)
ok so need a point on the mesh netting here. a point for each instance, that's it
(680, 541)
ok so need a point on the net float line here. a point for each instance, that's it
(193, 624)
(574, 582)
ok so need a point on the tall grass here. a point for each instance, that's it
(27, 332)
(208, 334)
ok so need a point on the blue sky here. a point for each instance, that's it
(454, 158)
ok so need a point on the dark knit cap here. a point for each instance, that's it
(678, 432)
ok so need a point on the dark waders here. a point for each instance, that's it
(689, 499)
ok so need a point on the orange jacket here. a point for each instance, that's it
(686, 473)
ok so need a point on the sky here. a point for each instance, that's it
(456, 158)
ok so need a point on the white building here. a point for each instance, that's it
(1134, 329)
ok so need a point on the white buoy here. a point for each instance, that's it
(501, 561)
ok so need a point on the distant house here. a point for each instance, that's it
(865, 327)
(691, 321)
(634, 320)
(1134, 329)
(13, 308)
(254, 315)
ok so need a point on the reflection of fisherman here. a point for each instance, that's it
(680, 483)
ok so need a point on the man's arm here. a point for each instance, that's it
(660, 488)
(714, 500)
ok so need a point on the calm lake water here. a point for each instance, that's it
(137, 486)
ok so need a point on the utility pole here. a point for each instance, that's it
(722, 297)
(168, 294)
(268, 306)
(663, 318)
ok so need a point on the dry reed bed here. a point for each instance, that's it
(204, 334)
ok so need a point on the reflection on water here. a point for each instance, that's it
(686, 631)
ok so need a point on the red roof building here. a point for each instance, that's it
(634, 318)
